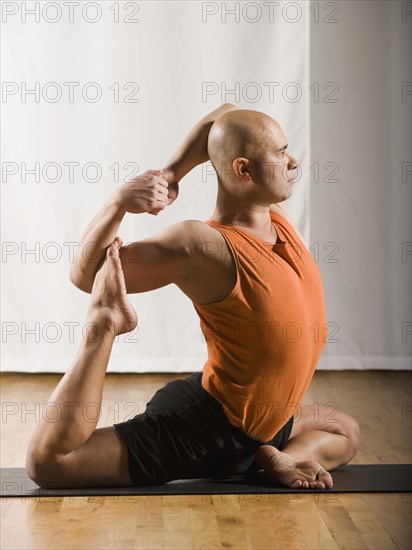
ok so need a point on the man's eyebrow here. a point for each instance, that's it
(282, 148)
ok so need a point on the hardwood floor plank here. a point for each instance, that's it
(340, 524)
(396, 523)
(312, 523)
(176, 522)
(271, 522)
(367, 524)
(231, 525)
(149, 523)
(203, 520)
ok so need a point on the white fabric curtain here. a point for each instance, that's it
(96, 92)
(360, 211)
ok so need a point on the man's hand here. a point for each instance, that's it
(148, 192)
(173, 189)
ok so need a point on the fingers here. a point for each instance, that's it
(162, 198)
(162, 185)
(166, 194)
(162, 195)
(155, 172)
(159, 177)
(160, 204)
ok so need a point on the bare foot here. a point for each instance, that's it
(300, 475)
(109, 304)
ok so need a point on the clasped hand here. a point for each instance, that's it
(149, 192)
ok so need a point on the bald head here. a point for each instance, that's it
(240, 133)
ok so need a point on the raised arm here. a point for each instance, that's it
(193, 149)
(191, 152)
(150, 192)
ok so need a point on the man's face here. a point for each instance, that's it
(276, 167)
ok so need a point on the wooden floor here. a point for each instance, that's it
(379, 400)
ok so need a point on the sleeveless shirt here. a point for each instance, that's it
(265, 338)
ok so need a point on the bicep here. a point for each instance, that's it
(153, 263)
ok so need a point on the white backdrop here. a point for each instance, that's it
(116, 86)
(360, 224)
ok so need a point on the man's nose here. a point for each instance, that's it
(293, 163)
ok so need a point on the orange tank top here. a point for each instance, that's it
(265, 338)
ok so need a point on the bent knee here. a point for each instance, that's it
(42, 469)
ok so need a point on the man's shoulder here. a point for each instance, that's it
(205, 271)
(187, 236)
(190, 230)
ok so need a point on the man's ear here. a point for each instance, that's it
(241, 167)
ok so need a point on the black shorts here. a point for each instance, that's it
(185, 434)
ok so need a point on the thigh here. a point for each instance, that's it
(326, 418)
(102, 461)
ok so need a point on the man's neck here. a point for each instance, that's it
(255, 219)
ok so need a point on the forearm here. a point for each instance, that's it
(97, 236)
(193, 150)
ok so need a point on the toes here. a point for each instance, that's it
(113, 253)
(297, 484)
(326, 478)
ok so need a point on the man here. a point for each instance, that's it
(259, 297)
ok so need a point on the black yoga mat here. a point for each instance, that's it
(352, 478)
